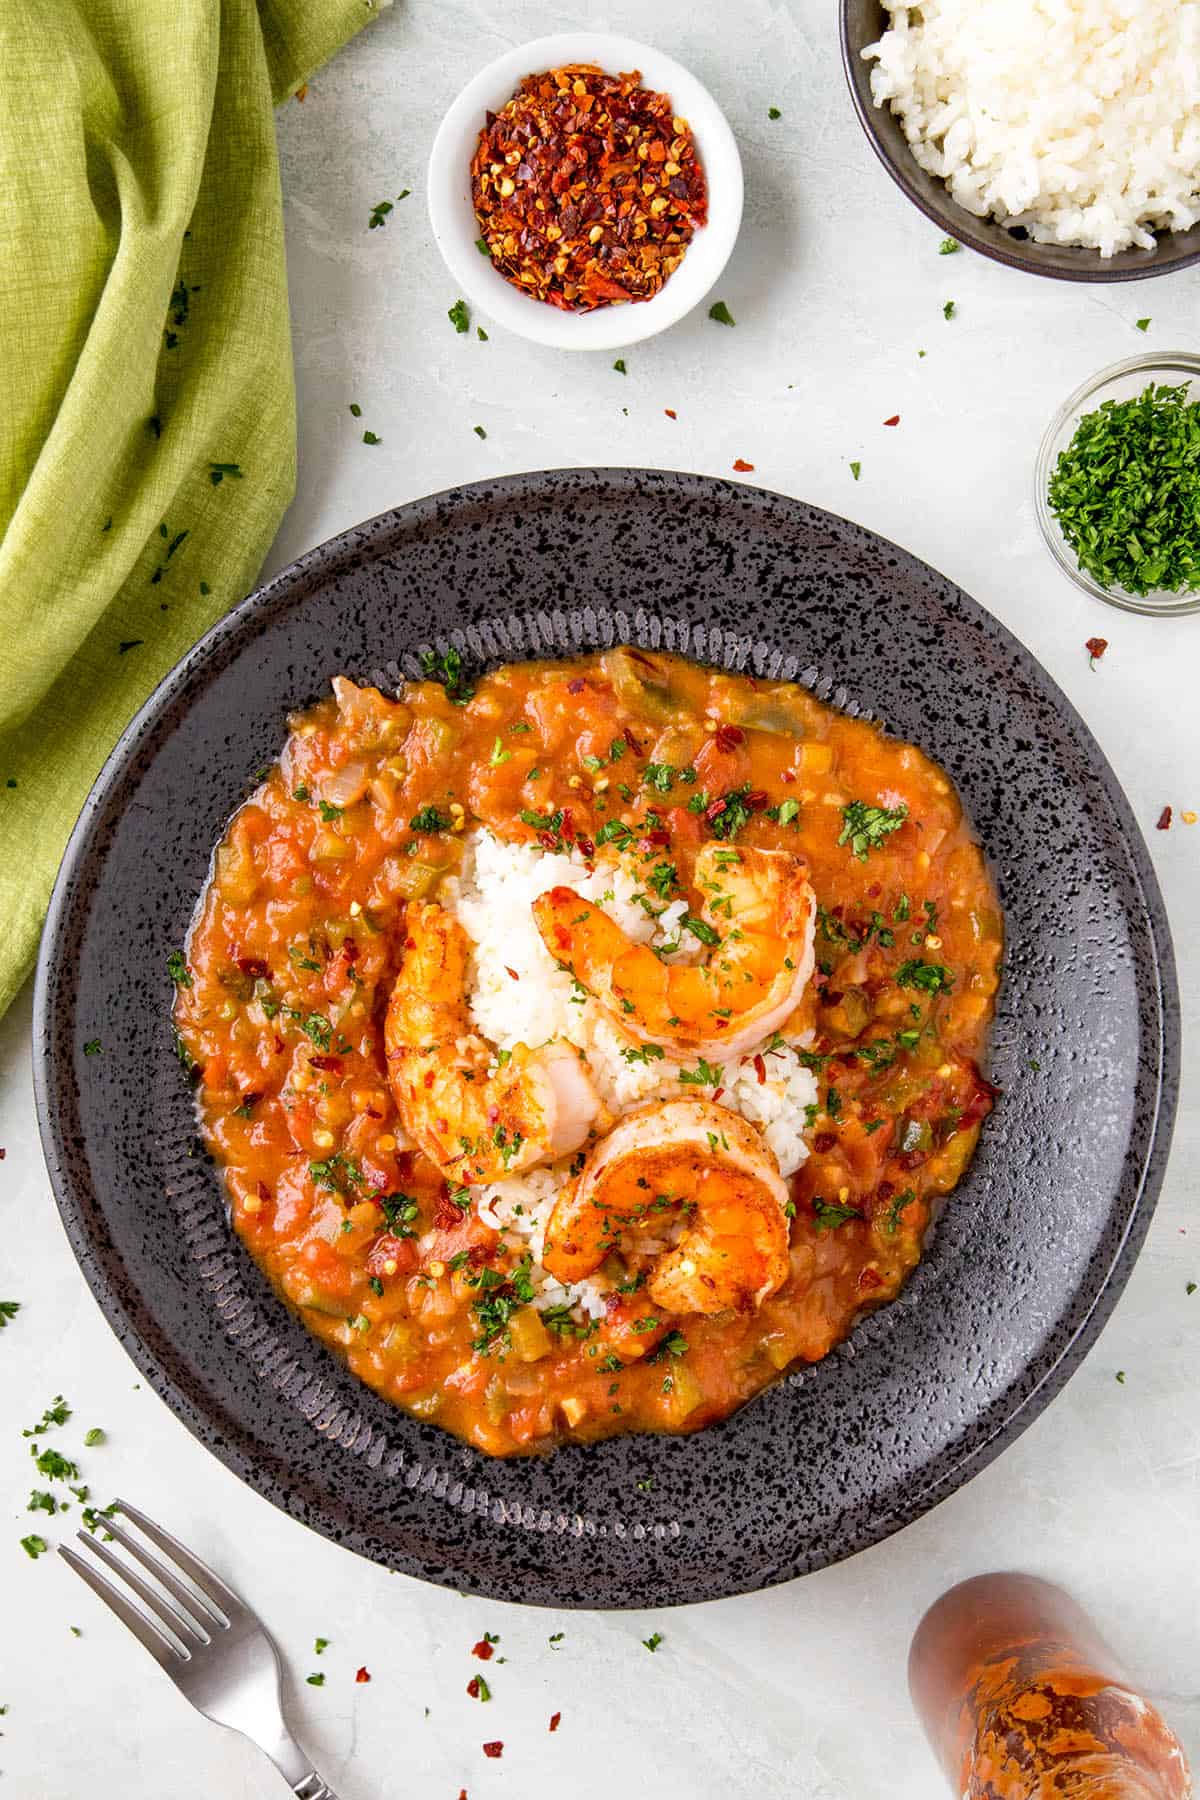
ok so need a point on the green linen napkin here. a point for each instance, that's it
(147, 408)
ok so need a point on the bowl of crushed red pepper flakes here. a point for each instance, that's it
(585, 190)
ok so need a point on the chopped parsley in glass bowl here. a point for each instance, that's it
(1117, 485)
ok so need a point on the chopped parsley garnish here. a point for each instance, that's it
(379, 213)
(316, 1680)
(890, 1221)
(721, 313)
(369, 437)
(656, 1638)
(177, 969)
(57, 1413)
(93, 1437)
(339, 1173)
(948, 246)
(93, 1047)
(459, 316)
(660, 776)
(866, 828)
(8, 1310)
(429, 821)
(399, 1210)
(619, 366)
(830, 1215)
(699, 929)
(785, 812)
(34, 1546)
(931, 978)
(773, 112)
(448, 669)
(320, 1645)
(647, 1054)
(1126, 491)
(550, 822)
(732, 815)
(856, 469)
(499, 754)
(703, 1075)
(948, 310)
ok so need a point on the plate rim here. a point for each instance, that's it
(277, 594)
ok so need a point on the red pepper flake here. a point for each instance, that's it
(760, 1068)
(4, 1153)
(554, 1719)
(511, 972)
(743, 467)
(495, 1748)
(473, 1687)
(632, 741)
(670, 412)
(894, 420)
(332, 1065)
(587, 188)
(362, 1675)
(728, 737)
(868, 1280)
(1095, 648)
(254, 967)
(717, 1092)
(1164, 820)
(577, 686)
(483, 1650)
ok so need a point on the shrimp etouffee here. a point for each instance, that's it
(610, 1147)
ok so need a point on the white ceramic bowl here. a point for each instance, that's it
(456, 229)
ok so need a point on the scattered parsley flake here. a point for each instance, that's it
(479, 431)
(93, 1437)
(721, 313)
(369, 437)
(948, 246)
(865, 827)
(653, 1641)
(619, 366)
(773, 112)
(856, 469)
(8, 1310)
(948, 310)
(1143, 324)
(459, 316)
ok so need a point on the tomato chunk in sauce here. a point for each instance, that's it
(300, 933)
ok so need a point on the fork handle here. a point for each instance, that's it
(313, 1788)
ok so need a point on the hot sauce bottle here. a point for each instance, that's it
(1022, 1699)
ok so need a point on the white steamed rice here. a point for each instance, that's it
(493, 899)
(1077, 119)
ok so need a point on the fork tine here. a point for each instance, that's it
(210, 1585)
(144, 1630)
(190, 1604)
(186, 1629)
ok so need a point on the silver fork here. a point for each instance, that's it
(216, 1651)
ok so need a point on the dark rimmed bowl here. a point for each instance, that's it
(1025, 1262)
(863, 22)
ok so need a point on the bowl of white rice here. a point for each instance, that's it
(1058, 136)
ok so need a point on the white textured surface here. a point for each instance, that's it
(835, 285)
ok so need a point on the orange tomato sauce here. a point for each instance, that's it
(300, 931)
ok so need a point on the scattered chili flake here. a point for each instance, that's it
(587, 188)
(1095, 648)
(743, 467)
(894, 420)
(495, 1748)
(362, 1675)
(670, 411)
(484, 1650)
(1164, 820)
(554, 1720)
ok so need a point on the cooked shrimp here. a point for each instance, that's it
(761, 907)
(702, 1160)
(537, 1106)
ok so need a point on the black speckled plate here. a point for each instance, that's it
(1021, 1270)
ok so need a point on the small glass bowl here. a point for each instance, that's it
(1123, 381)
